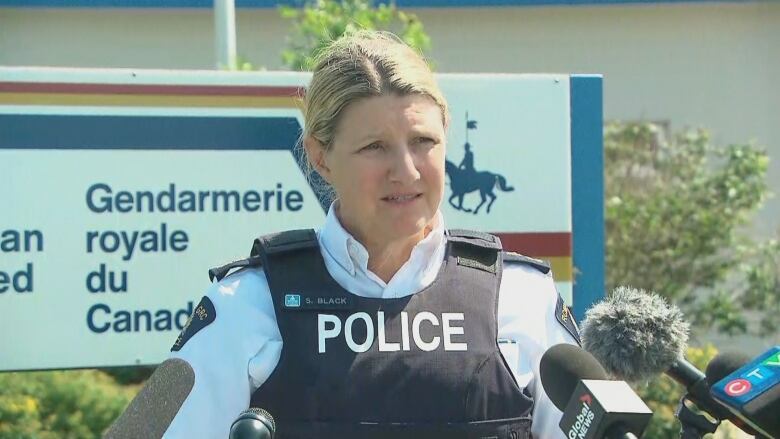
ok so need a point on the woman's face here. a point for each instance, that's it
(387, 166)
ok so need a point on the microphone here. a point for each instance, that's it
(637, 335)
(751, 392)
(592, 406)
(724, 364)
(253, 423)
(151, 412)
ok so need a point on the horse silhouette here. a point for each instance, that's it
(463, 182)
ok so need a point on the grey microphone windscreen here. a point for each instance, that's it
(635, 335)
(151, 412)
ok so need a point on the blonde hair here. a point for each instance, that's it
(358, 65)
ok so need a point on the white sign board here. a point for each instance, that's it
(119, 191)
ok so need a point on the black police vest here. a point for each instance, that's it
(422, 366)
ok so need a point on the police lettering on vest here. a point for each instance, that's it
(330, 327)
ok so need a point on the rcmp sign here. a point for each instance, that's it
(124, 186)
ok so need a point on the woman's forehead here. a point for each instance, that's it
(378, 115)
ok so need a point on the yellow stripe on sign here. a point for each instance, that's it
(147, 100)
(561, 267)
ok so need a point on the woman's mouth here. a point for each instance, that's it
(401, 198)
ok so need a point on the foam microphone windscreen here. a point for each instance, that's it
(562, 367)
(151, 412)
(635, 335)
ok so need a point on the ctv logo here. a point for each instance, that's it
(773, 361)
(737, 387)
(765, 370)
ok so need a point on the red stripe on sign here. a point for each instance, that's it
(537, 244)
(150, 89)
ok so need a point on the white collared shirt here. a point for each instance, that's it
(347, 262)
(239, 350)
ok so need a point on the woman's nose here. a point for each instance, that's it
(404, 167)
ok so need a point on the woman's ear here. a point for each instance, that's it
(315, 152)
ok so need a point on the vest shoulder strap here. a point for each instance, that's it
(273, 243)
(220, 273)
(517, 258)
(285, 241)
(475, 249)
(474, 238)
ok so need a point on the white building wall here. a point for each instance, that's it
(714, 65)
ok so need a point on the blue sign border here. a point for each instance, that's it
(89, 132)
(587, 191)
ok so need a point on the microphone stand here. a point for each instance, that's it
(693, 425)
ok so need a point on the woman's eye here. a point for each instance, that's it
(426, 141)
(372, 147)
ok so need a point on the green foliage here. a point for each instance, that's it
(763, 285)
(242, 65)
(59, 405)
(662, 395)
(322, 21)
(674, 211)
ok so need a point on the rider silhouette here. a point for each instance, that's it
(465, 179)
(467, 164)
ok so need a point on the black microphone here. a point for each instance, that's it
(637, 335)
(253, 423)
(749, 389)
(592, 405)
(151, 412)
(724, 364)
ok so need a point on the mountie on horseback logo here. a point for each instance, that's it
(465, 179)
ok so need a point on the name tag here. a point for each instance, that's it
(313, 302)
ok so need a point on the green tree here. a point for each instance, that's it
(322, 21)
(675, 212)
(662, 395)
(59, 405)
(762, 290)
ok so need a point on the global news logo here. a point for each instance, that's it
(584, 419)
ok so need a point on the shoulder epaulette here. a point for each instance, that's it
(219, 273)
(538, 264)
(566, 318)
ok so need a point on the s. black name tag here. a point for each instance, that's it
(314, 302)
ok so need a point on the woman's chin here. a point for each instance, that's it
(406, 229)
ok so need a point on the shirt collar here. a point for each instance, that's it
(352, 256)
(334, 240)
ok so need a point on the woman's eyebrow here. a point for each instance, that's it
(367, 137)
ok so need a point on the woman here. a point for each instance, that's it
(383, 323)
